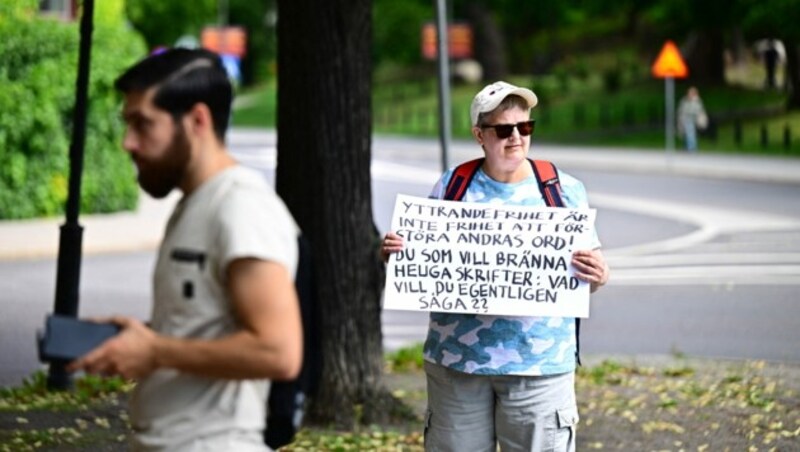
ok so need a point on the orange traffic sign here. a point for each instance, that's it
(225, 40)
(459, 39)
(670, 63)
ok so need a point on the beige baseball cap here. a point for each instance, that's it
(490, 97)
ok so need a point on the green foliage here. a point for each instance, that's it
(33, 394)
(682, 371)
(15, 8)
(38, 66)
(771, 18)
(405, 359)
(397, 30)
(258, 18)
(31, 402)
(606, 373)
(163, 22)
(256, 108)
(574, 108)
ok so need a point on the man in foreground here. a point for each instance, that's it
(225, 317)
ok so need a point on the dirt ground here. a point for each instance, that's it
(642, 404)
(669, 404)
(676, 404)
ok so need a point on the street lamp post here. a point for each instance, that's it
(68, 271)
(443, 59)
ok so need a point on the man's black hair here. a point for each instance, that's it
(183, 78)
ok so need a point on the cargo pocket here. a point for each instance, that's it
(426, 427)
(566, 420)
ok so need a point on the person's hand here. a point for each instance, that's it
(130, 354)
(591, 266)
(392, 243)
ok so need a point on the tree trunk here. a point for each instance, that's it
(490, 48)
(705, 57)
(323, 174)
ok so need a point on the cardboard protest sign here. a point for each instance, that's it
(477, 258)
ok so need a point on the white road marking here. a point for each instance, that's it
(646, 263)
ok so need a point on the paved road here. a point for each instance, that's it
(702, 266)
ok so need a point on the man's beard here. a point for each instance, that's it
(159, 177)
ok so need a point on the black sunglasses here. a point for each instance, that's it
(525, 128)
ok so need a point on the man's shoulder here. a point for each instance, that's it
(249, 194)
(242, 177)
(246, 185)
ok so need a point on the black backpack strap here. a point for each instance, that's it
(286, 402)
(459, 181)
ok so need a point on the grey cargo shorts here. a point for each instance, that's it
(518, 413)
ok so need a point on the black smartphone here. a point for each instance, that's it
(66, 338)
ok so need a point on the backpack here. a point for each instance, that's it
(547, 178)
(287, 399)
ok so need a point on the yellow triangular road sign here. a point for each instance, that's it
(670, 63)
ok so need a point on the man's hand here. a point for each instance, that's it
(591, 266)
(130, 354)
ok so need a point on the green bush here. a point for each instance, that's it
(38, 68)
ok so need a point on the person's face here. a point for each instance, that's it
(504, 154)
(157, 144)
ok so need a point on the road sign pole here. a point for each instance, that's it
(669, 112)
(443, 58)
(668, 66)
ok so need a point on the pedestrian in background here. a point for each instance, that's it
(225, 316)
(502, 380)
(772, 52)
(691, 118)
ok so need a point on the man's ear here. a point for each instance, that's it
(199, 120)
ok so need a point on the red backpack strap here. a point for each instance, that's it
(459, 181)
(547, 176)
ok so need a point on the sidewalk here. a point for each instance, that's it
(142, 229)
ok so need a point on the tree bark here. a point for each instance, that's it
(490, 48)
(323, 174)
(705, 56)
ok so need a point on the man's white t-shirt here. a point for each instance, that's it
(234, 215)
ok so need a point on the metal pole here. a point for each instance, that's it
(222, 12)
(68, 272)
(443, 60)
(669, 102)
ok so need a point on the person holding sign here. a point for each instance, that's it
(496, 379)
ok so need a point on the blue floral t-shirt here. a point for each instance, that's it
(505, 345)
